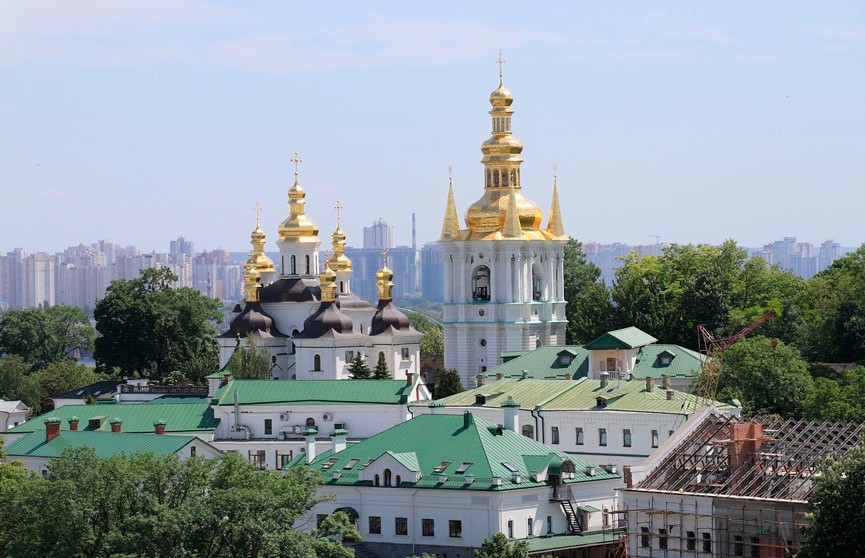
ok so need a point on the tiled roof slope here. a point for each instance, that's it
(178, 417)
(578, 395)
(105, 444)
(273, 392)
(457, 439)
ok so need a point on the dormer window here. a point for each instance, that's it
(666, 357)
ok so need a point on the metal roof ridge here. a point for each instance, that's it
(575, 383)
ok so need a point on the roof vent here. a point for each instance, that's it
(670, 394)
(611, 468)
(590, 471)
(602, 401)
(524, 374)
(516, 479)
(470, 479)
(443, 479)
(480, 399)
(497, 481)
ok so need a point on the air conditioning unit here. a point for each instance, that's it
(298, 428)
(283, 417)
(326, 416)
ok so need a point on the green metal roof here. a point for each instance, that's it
(455, 439)
(273, 392)
(577, 395)
(105, 444)
(175, 399)
(178, 417)
(683, 362)
(546, 362)
(562, 542)
(625, 338)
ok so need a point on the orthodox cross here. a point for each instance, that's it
(451, 175)
(257, 209)
(296, 160)
(500, 61)
(338, 207)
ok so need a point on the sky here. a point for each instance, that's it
(139, 122)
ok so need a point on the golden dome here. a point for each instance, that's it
(501, 97)
(251, 279)
(486, 217)
(258, 258)
(385, 280)
(327, 280)
(297, 227)
(339, 261)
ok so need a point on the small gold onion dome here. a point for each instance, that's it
(385, 280)
(298, 227)
(327, 280)
(261, 261)
(251, 281)
(501, 97)
(339, 261)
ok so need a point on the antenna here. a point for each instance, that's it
(657, 238)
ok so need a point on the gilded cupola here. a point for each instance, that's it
(384, 281)
(262, 263)
(339, 261)
(251, 279)
(297, 227)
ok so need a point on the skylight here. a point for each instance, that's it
(351, 463)
(441, 466)
(365, 465)
(329, 463)
(464, 467)
(510, 467)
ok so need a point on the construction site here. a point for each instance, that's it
(731, 488)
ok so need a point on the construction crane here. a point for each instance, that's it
(714, 347)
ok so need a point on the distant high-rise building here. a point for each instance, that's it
(37, 281)
(432, 272)
(403, 261)
(828, 253)
(182, 246)
(378, 237)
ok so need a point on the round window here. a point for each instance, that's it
(481, 312)
(483, 342)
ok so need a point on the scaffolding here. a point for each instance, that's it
(733, 488)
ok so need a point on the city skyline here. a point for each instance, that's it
(142, 121)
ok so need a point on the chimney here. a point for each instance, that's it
(499, 376)
(666, 380)
(524, 375)
(226, 377)
(52, 428)
(670, 394)
(511, 410)
(468, 419)
(337, 437)
(605, 379)
(159, 427)
(309, 437)
(629, 477)
(650, 383)
(746, 438)
(480, 380)
(94, 423)
(409, 378)
(116, 425)
(73, 424)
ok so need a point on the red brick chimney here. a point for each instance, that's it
(52, 428)
(746, 438)
(73, 424)
(409, 378)
(116, 425)
(159, 427)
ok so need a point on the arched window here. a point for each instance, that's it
(504, 178)
(381, 355)
(387, 475)
(537, 282)
(398, 481)
(514, 178)
(529, 431)
(316, 363)
(293, 265)
(481, 284)
(375, 480)
(310, 421)
(307, 264)
(342, 286)
(496, 177)
(489, 178)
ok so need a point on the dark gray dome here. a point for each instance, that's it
(252, 319)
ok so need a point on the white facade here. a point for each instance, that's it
(12, 413)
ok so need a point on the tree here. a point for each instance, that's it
(144, 505)
(36, 390)
(13, 370)
(381, 372)
(433, 342)
(358, 369)
(149, 327)
(840, 400)
(250, 362)
(498, 546)
(41, 337)
(589, 308)
(840, 494)
(766, 379)
(448, 383)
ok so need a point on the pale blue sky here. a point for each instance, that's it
(143, 121)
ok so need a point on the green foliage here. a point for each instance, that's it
(426, 307)
(381, 372)
(433, 342)
(250, 362)
(37, 389)
(448, 383)
(589, 308)
(498, 546)
(148, 326)
(843, 399)
(358, 369)
(13, 370)
(144, 505)
(41, 337)
(838, 507)
(766, 380)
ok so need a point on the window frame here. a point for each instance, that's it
(455, 526)
(580, 436)
(400, 526)
(374, 521)
(602, 437)
(554, 435)
(428, 527)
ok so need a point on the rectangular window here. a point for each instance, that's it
(510, 528)
(611, 365)
(349, 356)
(455, 528)
(258, 459)
(654, 438)
(554, 434)
(644, 537)
(530, 527)
(549, 525)
(602, 436)
(606, 517)
(428, 527)
(707, 542)
(374, 525)
(400, 526)
(193, 450)
(626, 437)
(603, 366)
(691, 540)
(580, 437)
(268, 427)
(738, 546)
(662, 539)
(283, 458)
(405, 353)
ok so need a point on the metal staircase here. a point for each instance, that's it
(571, 514)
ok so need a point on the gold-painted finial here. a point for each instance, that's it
(500, 61)
(511, 227)
(555, 226)
(451, 223)
(296, 159)
(257, 209)
(338, 208)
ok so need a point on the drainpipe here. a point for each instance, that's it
(536, 422)
(543, 427)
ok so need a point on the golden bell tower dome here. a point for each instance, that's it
(297, 227)
(502, 158)
(338, 261)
